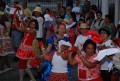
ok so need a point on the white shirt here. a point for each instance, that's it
(105, 61)
(116, 60)
(80, 41)
(97, 25)
(48, 18)
(59, 65)
(40, 24)
(77, 9)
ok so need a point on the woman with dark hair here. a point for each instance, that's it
(5, 44)
(110, 25)
(25, 50)
(63, 12)
(105, 34)
(59, 61)
(88, 69)
(98, 22)
(52, 42)
(37, 15)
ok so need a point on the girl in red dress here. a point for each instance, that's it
(25, 50)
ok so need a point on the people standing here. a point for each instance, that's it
(59, 61)
(97, 23)
(81, 38)
(15, 34)
(110, 25)
(52, 42)
(5, 44)
(37, 12)
(77, 10)
(105, 34)
(25, 50)
(88, 69)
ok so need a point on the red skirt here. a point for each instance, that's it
(97, 79)
(58, 77)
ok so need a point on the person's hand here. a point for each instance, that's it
(102, 47)
(55, 43)
(41, 45)
(110, 57)
(79, 53)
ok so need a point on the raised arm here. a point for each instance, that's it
(16, 24)
(48, 48)
(71, 60)
(44, 52)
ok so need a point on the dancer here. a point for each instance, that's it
(59, 61)
(25, 50)
(88, 69)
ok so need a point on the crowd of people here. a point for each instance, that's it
(63, 37)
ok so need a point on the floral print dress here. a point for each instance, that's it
(5, 42)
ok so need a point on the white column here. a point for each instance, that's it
(105, 7)
(116, 11)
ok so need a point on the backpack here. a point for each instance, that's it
(99, 22)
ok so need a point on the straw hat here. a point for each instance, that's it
(68, 21)
(20, 6)
(83, 25)
(38, 9)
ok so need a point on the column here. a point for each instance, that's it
(116, 11)
(105, 7)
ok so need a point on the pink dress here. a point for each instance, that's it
(25, 50)
(86, 74)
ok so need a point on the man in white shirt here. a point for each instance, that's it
(77, 10)
(82, 37)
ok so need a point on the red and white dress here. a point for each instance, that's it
(25, 50)
(86, 74)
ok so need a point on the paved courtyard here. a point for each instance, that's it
(13, 75)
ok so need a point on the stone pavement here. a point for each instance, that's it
(13, 75)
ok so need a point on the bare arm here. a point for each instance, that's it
(16, 25)
(48, 48)
(71, 60)
(44, 53)
(87, 63)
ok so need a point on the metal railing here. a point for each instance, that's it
(53, 3)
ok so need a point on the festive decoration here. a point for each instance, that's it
(95, 36)
(74, 49)
(106, 52)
